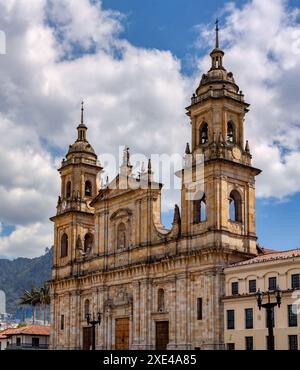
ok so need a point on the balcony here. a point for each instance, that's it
(216, 94)
(80, 160)
(27, 346)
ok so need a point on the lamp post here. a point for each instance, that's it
(269, 306)
(93, 323)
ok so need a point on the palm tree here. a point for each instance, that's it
(37, 298)
(44, 298)
(31, 298)
(25, 300)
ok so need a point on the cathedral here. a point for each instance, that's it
(154, 288)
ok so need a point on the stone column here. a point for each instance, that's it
(109, 329)
(136, 315)
(172, 307)
(78, 317)
(100, 305)
(145, 316)
(53, 314)
(182, 312)
(72, 320)
(67, 313)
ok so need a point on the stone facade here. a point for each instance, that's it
(156, 288)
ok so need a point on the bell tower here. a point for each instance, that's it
(223, 212)
(74, 221)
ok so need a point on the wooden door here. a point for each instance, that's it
(122, 334)
(87, 339)
(162, 335)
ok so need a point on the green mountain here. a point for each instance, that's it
(21, 274)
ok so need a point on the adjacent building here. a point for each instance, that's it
(31, 337)
(245, 324)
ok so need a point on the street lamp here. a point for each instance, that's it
(269, 308)
(93, 322)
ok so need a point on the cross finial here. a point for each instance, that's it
(217, 33)
(82, 110)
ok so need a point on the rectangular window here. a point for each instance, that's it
(292, 316)
(293, 342)
(249, 343)
(235, 288)
(18, 342)
(62, 322)
(272, 283)
(230, 319)
(252, 286)
(249, 318)
(230, 346)
(296, 281)
(272, 318)
(35, 342)
(199, 309)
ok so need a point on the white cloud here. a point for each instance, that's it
(27, 240)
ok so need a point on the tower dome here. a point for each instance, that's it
(217, 77)
(81, 145)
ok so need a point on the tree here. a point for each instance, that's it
(31, 298)
(44, 299)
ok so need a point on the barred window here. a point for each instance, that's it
(230, 320)
(235, 288)
(252, 286)
(293, 342)
(249, 343)
(292, 316)
(272, 283)
(296, 281)
(249, 318)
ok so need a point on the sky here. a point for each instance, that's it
(136, 65)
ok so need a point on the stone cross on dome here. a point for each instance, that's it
(217, 54)
(82, 129)
(217, 34)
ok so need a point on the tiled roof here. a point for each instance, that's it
(36, 330)
(6, 332)
(43, 330)
(270, 256)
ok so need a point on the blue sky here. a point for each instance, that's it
(166, 25)
(136, 64)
